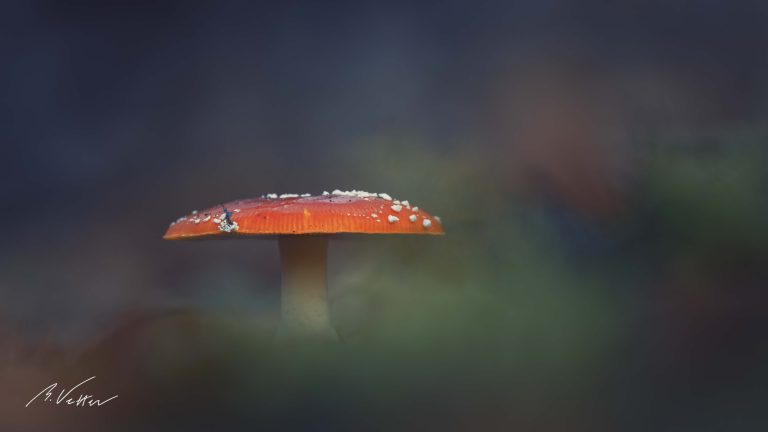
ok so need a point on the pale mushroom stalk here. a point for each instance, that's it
(302, 224)
(305, 312)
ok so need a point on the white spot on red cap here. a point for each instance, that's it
(392, 219)
(412, 218)
(354, 193)
(426, 223)
(396, 207)
(227, 227)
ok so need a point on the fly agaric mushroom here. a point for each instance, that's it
(303, 224)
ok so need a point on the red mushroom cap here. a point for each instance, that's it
(337, 212)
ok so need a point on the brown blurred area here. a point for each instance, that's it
(563, 134)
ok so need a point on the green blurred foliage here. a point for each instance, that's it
(526, 313)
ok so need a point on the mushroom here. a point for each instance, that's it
(303, 225)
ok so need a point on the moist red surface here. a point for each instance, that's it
(305, 215)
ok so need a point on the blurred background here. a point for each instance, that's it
(600, 168)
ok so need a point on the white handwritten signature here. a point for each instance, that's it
(82, 400)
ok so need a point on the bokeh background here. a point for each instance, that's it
(600, 168)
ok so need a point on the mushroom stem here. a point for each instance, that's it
(305, 310)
